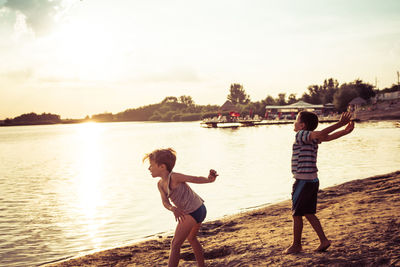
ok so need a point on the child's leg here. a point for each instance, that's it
(181, 233)
(297, 230)
(197, 248)
(325, 243)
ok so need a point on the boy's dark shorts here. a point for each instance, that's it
(304, 197)
(200, 214)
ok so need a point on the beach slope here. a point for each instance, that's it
(360, 217)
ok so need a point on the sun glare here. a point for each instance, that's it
(83, 50)
(89, 179)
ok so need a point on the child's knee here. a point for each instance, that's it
(297, 218)
(176, 243)
(192, 239)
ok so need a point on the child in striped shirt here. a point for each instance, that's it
(304, 169)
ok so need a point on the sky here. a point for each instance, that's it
(83, 57)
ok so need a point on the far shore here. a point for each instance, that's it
(383, 111)
(360, 117)
(360, 217)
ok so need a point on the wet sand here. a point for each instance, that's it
(361, 218)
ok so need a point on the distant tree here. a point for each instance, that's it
(103, 117)
(364, 90)
(170, 99)
(281, 100)
(349, 91)
(155, 117)
(258, 108)
(143, 113)
(176, 117)
(394, 88)
(269, 100)
(314, 94)
(292, 99)
(186, 100)
(330, 87)
(33, 118)
(343, 96)
(168, 116)
(252, 108)
(237, 95)
(321, 94)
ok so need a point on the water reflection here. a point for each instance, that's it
(89, 180)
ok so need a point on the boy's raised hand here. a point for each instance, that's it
(349, 128)
(212, 176)
(345, 118)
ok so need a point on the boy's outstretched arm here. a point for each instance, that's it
(181, 178)
(323, 134)
(349, 128)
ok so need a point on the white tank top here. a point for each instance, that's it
(184, 197)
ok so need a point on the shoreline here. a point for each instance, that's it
(361, 119)
(359, 217)
(386, 112)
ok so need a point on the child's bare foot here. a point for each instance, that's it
(324, 246)
(293, 249)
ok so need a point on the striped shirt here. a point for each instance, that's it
(304, 157)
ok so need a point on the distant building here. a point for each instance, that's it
(228, 106)
(356, 104)
(290, 111)
(388, 96)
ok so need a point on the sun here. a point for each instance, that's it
(84, 50)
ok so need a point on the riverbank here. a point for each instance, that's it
(385, 110)
(359, 217)
(388, 110)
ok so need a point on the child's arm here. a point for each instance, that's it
(323, 135)
(349, 128)
(181, 178)
(179, 215)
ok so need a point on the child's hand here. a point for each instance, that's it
(212, 176)
(349, 128)
(179, 215)
(345, 118)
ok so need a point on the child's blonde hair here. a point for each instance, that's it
(162, 156)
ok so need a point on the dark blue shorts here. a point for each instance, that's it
(200, 214)
(304, 197)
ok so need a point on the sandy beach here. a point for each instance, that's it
(360, 217)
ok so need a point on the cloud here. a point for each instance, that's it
(38, 15)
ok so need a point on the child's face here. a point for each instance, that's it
(298, 125)
(155, 169)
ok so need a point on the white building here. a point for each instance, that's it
(388, 96)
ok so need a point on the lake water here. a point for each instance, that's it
(68, 190)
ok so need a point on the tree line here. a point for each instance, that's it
(329, 92)
(170, 109)
(183, 108)
(33, 119)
